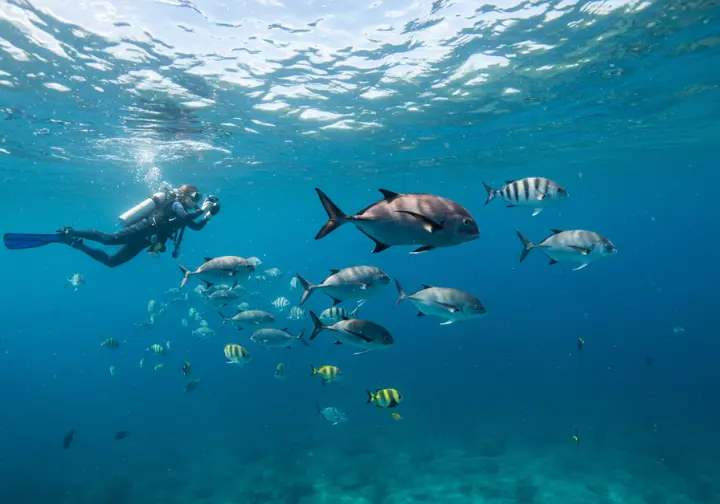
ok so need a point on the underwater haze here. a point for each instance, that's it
(596, 385)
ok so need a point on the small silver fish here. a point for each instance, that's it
(219, 269)
(277, 338)
(354, 332)
(76, 281)
(203, 333)
(576, 245)
(151, 305)
(113, 369)
(355, 282)
(184, 322)
(293, 283)
(142, 361)
(453, 305)
(331, 414)
(274, 273)
(167, 345)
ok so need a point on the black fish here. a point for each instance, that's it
(68, 439)
(121, 434)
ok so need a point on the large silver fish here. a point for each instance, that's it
(406, 219)
(576, 245)
(533, 192)
(221, 297)
(355, 282)
(453, 305)
(219, 269)
(358, 333)
(254, 319)
(277, 338)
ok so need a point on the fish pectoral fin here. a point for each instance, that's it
(430, 225)
(420, 314)
(337, 342)
(448, 307)
(362, 285)
(379, 247)
(553, 261)
(447, 322)
(422, 249)
(541, 196)
(336, 301)
(582, 250)
(536, 211)
(361, 352)
(580, 267)
(358, 335)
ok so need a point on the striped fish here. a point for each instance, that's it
(281, 303)
(385, 398)
(156, 348)
(335, 314)
(327, 373)
(236, 354)
(297, 313)
(536, 192)
(111, 343)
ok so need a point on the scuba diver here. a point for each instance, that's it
(147, 226)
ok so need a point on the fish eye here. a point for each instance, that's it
(467, 222)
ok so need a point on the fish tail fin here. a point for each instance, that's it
(318, 408)
(371, 396)
(309, 288)
(318, 326)
(527, 246)
(314, 371)
(302, 339)
(491, 193)
(187, 274)
(401, 292)
(336, 217)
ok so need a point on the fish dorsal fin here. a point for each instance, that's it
(208, 258)
(285, 329)
(388, 195)
(508, 182)
(556, 231)
(333, 271)
(425, 286)
(336, 301)
(430, 225)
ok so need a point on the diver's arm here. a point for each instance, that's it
(183, 214)
(197, 225)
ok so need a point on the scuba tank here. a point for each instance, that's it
(144, 209)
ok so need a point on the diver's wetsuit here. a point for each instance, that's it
(137, 237)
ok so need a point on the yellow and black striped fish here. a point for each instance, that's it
(236, 354)
(111, 343)
(156, 348)
(385, 398)
(327, 373)
(186, 368)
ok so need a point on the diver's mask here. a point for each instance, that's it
(195, 197)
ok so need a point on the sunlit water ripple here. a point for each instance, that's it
(249, 85)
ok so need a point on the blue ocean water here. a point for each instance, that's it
(259, 102)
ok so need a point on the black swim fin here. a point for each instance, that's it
(18, 241)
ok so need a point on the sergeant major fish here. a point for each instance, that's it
(355, 282)
(359, 333)
(406, 219)
(280, 303)
(535, 192)
(384, 398)
(335, 314)
(453, 305)
(277, 338)
(219, 269)
(296, 313)
(236, 354)
(576, 245)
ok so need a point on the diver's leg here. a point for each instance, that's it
(122, 256)
(121, 237)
